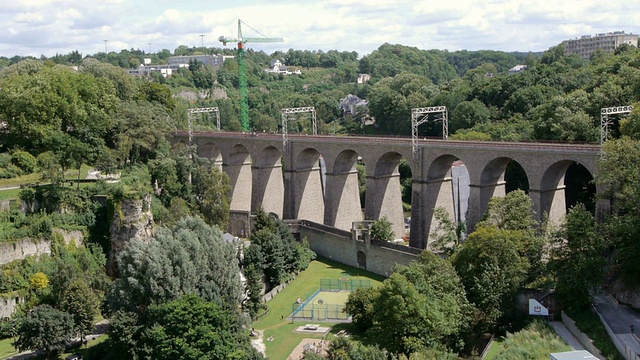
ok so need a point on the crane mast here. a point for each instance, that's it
(242, 70)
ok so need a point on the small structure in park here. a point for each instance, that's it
(573, 355)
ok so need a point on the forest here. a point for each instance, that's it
(62, 114)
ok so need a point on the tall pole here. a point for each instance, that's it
(105, 46)
(202, 43)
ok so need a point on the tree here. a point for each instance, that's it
(381, 230)
(45, 329)
(514, 211)
(420, 306)
(140, 128)
(192, 328)
(360, 306)
(448, 234)
(492, 270)
(253, 275)
(39, 281)
(189, 258)
(50, 168)
(577, 258)
(83, 303)
(212, 188)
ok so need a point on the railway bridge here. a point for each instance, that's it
(315, 177)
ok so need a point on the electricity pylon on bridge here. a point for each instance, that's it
(242, 70)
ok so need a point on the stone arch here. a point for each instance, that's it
(552, 199)
(342, 202)
(384, 192)
(491, 183)
(212, 152)
(268, 184)
(237, 164)
(307, 190)
(436, 189)
(580, 187)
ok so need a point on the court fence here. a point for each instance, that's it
(344, 284)
(313, 311)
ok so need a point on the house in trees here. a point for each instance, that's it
(518, 68)
(278, 67)
(350, 104)
(353, 106)
(363, 78)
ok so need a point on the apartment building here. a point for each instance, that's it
(607, 42)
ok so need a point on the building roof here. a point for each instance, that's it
(573, 355)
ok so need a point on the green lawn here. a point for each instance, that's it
(35, 177)
(275, 323)
(6, 349)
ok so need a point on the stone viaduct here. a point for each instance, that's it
(315, 177)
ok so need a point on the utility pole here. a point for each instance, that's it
(202, 42)
(105, 46)
(149, 47)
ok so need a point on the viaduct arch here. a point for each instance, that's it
(316, 179)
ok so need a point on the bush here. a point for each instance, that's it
(25, 161)
(7, 169)
(535, 341)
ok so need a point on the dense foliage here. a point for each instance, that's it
(186, 328)
(421, 306)
(189, 258)
(274, 255)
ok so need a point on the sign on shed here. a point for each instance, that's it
(535, 308)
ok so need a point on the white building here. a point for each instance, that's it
(211, 60)
(607, 42)
(278, 67)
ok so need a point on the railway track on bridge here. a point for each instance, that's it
(402, 140)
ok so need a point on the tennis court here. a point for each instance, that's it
(328, 302)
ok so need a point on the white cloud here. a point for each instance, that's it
(34, 27)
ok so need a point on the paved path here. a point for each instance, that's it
(566, 335)
(619, 318)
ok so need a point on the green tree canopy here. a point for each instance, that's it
(420, 306)
(45, 329)
(190, 258)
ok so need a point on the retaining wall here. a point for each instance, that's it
(338, 245)
(583, 338)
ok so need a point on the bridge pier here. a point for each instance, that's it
(304, 195)
(342, 200)
(240, 178)
(427, 196)
(479, 196)
(549, 201)
(268, 189)
(384, 198)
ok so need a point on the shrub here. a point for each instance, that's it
(25, 161)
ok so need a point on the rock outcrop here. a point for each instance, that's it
(131, 219)
(629, 295)
(18, 250)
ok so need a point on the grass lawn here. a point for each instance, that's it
(35, 177)
(9, 194)
(6, 349)
(275, 323)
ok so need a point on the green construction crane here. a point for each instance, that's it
(242, 70)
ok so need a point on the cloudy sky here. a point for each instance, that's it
(47, 27)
